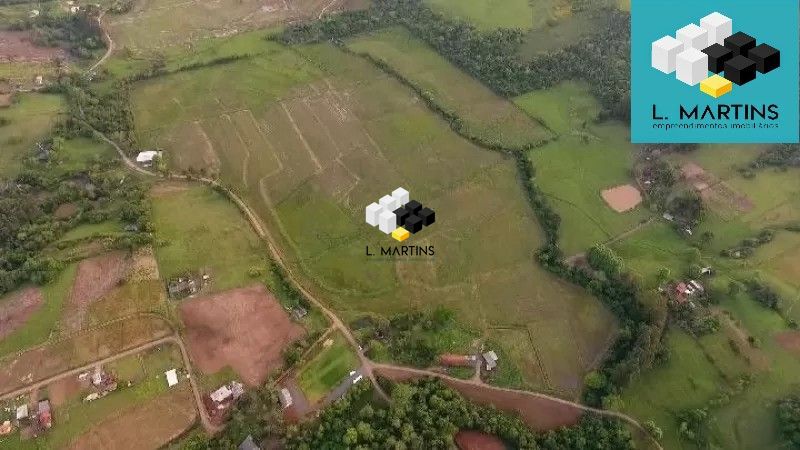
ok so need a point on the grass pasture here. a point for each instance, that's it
(196, 228)
(489, 15)
(309, 147)
(486, 115)
(30, 119)
(327, 369)
(562, 31)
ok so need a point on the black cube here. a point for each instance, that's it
(717, 56)
(401, 214)
(413, 224)
(766, 57)
(740, 70)
(427, 215)
(740, 43)
(413, 206)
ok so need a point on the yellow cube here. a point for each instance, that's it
(716, 86)
(401, 234)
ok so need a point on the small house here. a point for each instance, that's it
(44, 415)
(22, 412)
(490, 358)
(248, 444)
(146, 158)
(285, 398)
(172, 377)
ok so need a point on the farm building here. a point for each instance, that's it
(285, 398)
(172, 377)
(22, 412)
(226, 394)
(490, 358)
(248, 444)
(147, 157)
(451, 360)
(683, 290)
(44, 415)
(182, 287)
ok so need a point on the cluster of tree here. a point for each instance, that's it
(604, 259)
(121, 6)
(427, 414)
(686, 207)
(411, 338)
(158, 66)
(257, 413)
(789, 420)
(492, 57)
(28, 223)
(780, 156)
(107, 111)
(763, 294)
(747, 247)
(284, 289)
(78, 32)
(694, 319)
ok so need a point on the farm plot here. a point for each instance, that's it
(486, 115)
(30, 119)
(563, 29)
(327, 369)
(21, 61)
(574, 171)
(96, 277)
(493, 14)
(41, 362)
(16, 308)
(337, 135)
(199, 228)
(159, 24)
(246, 329)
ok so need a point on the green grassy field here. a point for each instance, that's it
(327, 369)
(44, 321)
(30, 119)
(492, 14)
(562, 31)
(309, 137)
(196, 228)
(486, 115)
(586, 159)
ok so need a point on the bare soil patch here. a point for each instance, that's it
(790, 341)
(17, 46)
(143, 265)
(96, 277)
(168, 188)
(622, 198)
(714, 191)
(164, 418)
(17, 308)
(64, 389)
(65, 211)
(475, 440)
(243, 328)
(6, 100)
(539, 413)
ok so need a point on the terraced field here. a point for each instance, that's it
(311, 146)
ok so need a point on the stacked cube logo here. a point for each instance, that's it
(713, 47)
(397, 215)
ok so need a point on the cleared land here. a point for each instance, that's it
(246, 329)
(486, 115)
(16, 308)
(309, 149)
(327, 369)
(622, 198)
(30, 119)
(493, 14)
(200, 229)
(21, 61)
(158, 24)
(96, 277)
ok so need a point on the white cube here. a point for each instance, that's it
(401, 195)
(718, 27)
(387, 222)
(388, 202)
(693, 36)
(691, 66)
(664, 53)
(373, 211)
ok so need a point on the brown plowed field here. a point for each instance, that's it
(790, 341)
(16, 308)
(622, 198)
(16, 46)
(541, 414)
(243, 328)
(475, 440)
(96, 277)
(143, 427)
